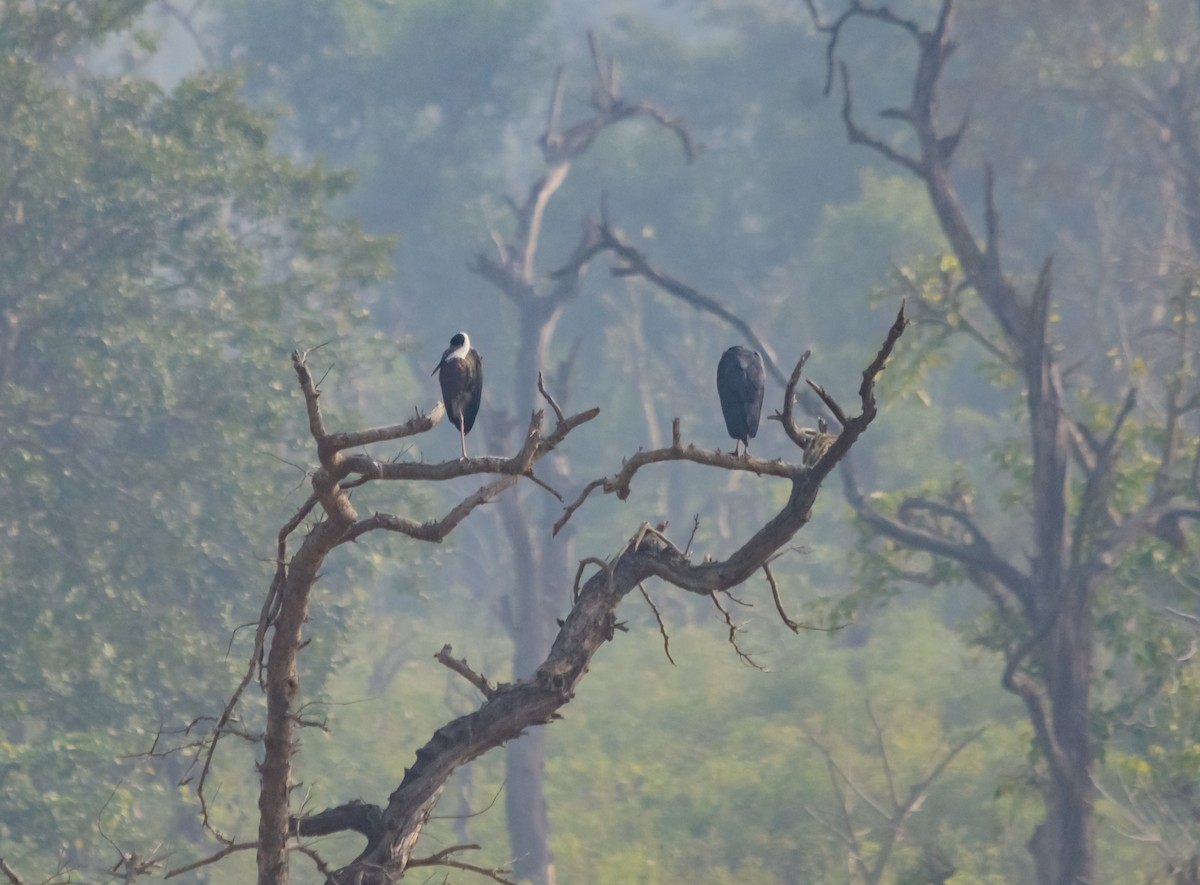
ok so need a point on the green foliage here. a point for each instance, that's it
(157, 260)
(708, 771)
(41, 31)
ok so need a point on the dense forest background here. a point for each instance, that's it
(189, 191)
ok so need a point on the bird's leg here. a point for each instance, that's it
(462, 438)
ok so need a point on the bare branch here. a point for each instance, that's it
(795, 434)
(419, 423)
(316, 423)
(619, 483)
(857, 135)
(609, 108)
(443, 858)
(634, 263)
(1093, 504)
(434, 531)
(733, 629)
(318, 862)
(584, 563)
(10, 873)
(692, 537)
(358, 817)
(211, 859)
(975, 554)
(460, 666)
(883, 756)
(972, 535)
(787, 622)
(541, 386)
(829, 401)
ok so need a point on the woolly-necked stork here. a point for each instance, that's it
(460, 374)
(740, 381)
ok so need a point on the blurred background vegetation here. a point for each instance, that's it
(190, 190)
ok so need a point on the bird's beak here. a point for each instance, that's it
(435, 368)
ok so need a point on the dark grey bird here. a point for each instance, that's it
(740, 381)
(460, 374)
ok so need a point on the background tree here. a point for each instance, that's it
(541, 568)
(152, 249)
(1049, 613)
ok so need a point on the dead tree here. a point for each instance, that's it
(538, 566)
(507, 710)
(1076, 539)
(285, 610)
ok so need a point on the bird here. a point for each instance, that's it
(460, 374)
(740, 380)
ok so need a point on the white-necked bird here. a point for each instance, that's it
(460, 374)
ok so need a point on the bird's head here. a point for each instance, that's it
(460, 346)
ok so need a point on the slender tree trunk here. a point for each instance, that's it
(532, 627)
(525, 803)
(1063, 844)
(525, 759)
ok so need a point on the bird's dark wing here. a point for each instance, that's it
(730, 390)
(755, 380)
(740, 382)
(452, 376)
(474, 389)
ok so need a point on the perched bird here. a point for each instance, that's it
(461, 375)
(740, 380)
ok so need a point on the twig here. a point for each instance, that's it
(311, 853)
(533, 478)
(443, 859)
(211, 859)
(661, 627)
(541, 386)
(733, 633)
(787, 622)
(829, 401)
(584, 563)
(789, 400)
(692, 536)
(8, 871)
(883, 756)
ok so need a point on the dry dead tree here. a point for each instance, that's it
(508, 710)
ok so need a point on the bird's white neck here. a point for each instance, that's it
(460, 352)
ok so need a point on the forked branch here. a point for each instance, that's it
(509, 709)
(285, 608)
